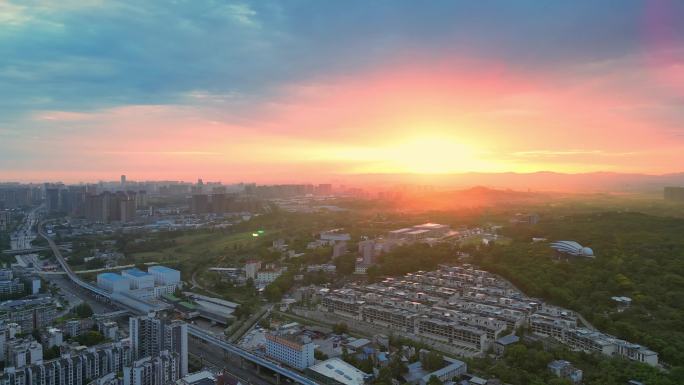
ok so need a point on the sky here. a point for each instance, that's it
(294, 91)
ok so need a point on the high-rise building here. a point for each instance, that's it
(127, 208)
(71, 369)
(150, 336)
(123, 182)
(199, 204)
(367, 251)
(218, 203)
(52, 200)
(162, 369)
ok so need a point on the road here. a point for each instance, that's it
(76, 295)
(211, 356)
(219, 343)
(22, 237)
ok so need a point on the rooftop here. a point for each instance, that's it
(203, 377)
(507, 340)
(111, 276)
(162, 269)
(340, 371)
(136, 272)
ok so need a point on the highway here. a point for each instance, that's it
(203, 335)
(22, 237)
(192, 329)
(72, 276)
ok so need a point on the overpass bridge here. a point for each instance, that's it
(99, 293)
(202, 335)
(32, 250)
(193, 330)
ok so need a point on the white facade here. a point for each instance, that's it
(164, 276)
(113, 282)
(294, 354)
(139, 279)
(251, 268)
(265, 277)
(55, 337)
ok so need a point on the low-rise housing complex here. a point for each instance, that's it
(465, 310)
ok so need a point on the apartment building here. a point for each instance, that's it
(71, 369)
(293, 352)
(467, 307)
(29, 314)
(161, 369)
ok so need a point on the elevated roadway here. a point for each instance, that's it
(230, 348)
(192, 329)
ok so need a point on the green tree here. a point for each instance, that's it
(90, 338)
(432, 361)
(83, 310)
(340, 328)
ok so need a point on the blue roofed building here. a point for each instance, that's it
(164, 275)
(138, 278)
(502, 343)
(113, 282)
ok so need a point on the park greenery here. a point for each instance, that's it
(638, 245)
(526, 364)
(637, 255)
(90, 338)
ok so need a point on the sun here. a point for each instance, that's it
(416, 154)
(431, 155)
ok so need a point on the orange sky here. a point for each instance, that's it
(449, 117)
(270, 94)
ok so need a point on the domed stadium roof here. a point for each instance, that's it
(572, 248)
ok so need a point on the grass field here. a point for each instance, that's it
(199, 247)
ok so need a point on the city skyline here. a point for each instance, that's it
(273, 92)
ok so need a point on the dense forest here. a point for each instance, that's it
(637, 255)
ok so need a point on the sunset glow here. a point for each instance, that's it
(416, 109)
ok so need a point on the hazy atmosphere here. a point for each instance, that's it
(273, 91)
(379, 192)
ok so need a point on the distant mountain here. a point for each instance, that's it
(537, 181)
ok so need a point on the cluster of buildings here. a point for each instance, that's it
(156, 353)
(525, 219)
(219, 202)
(215, 310)
(288, 190)
(260, 273)
(5, 219)
(293, 345)
(85, 201)
(157, 281)
(565, 369)
(104, 207)
(9, 285)
(34, 312)
(370, 249)
(465, 310)
(419, 232)
(15, 195)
